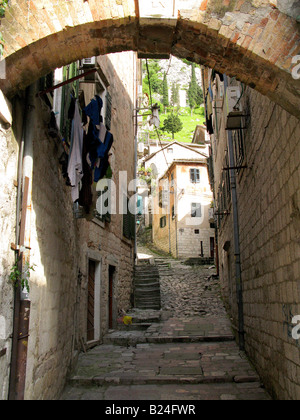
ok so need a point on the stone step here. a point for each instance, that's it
(135, 326)
(150, 305)
(146, 286)
(164, 379)
(145, 289)
(128, 338)
(146, 275)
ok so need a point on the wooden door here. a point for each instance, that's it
(110, 295)
(91, 302)
(212, 247)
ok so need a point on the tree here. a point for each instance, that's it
(192, 91)
(165, 100)
(172, 124)
(154, 73)
(175, 94)
(200, 97)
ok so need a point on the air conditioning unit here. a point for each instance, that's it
(234, 108)
(88, 62)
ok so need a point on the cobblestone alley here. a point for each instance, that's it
(185, 351)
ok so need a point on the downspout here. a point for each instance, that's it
(237, 256)
(21, 300)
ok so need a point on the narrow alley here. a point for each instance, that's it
(185, 351)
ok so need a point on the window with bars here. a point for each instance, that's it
(195, 175)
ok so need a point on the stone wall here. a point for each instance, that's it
(9, 139)
(268, 193)
(270, 244)
(61, 245)
(252, 40)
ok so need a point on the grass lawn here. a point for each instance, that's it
(189, 125)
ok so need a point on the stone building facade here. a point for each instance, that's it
(260, 229)
(181, 224)
(70, 255)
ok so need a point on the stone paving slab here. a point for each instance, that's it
(204, 392)
(149, 363)
(187, 353)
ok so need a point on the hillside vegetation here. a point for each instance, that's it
(162, 82)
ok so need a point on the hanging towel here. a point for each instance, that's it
(75, 171)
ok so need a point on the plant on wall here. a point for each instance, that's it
(3, 6)
(17, 277)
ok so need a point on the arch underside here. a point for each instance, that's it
(264, 67)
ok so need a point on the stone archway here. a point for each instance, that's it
(252, 40)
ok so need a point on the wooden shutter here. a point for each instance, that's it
(108, 111)
(128, 224)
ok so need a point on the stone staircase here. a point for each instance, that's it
(146, 286)
(164, 265)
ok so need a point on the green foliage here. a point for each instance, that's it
(175, 94)
(146, 174)
(195, 93)
(3, 6)
(154, 73)
(18, 278)
(189, 124)
(1, 44)
(172, 124)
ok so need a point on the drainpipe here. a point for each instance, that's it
(22, 301)
(135, 182)
(238, 271)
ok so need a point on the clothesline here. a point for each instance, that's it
(66, 82)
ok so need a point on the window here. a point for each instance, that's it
(170, 150)
(173, 212)
(196, 210)
(103, 203)
(163, 222)
(197, 231)
(172, 179)
(163, 198)
(128, 222)
(195, 175)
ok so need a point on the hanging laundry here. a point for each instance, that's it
(75, 170)
(208, 114)
(100, 139)
(85, 195)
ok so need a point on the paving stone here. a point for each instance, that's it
(182, 356)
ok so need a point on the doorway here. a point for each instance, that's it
(93, 300)
(111, 300)
(212, 247)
